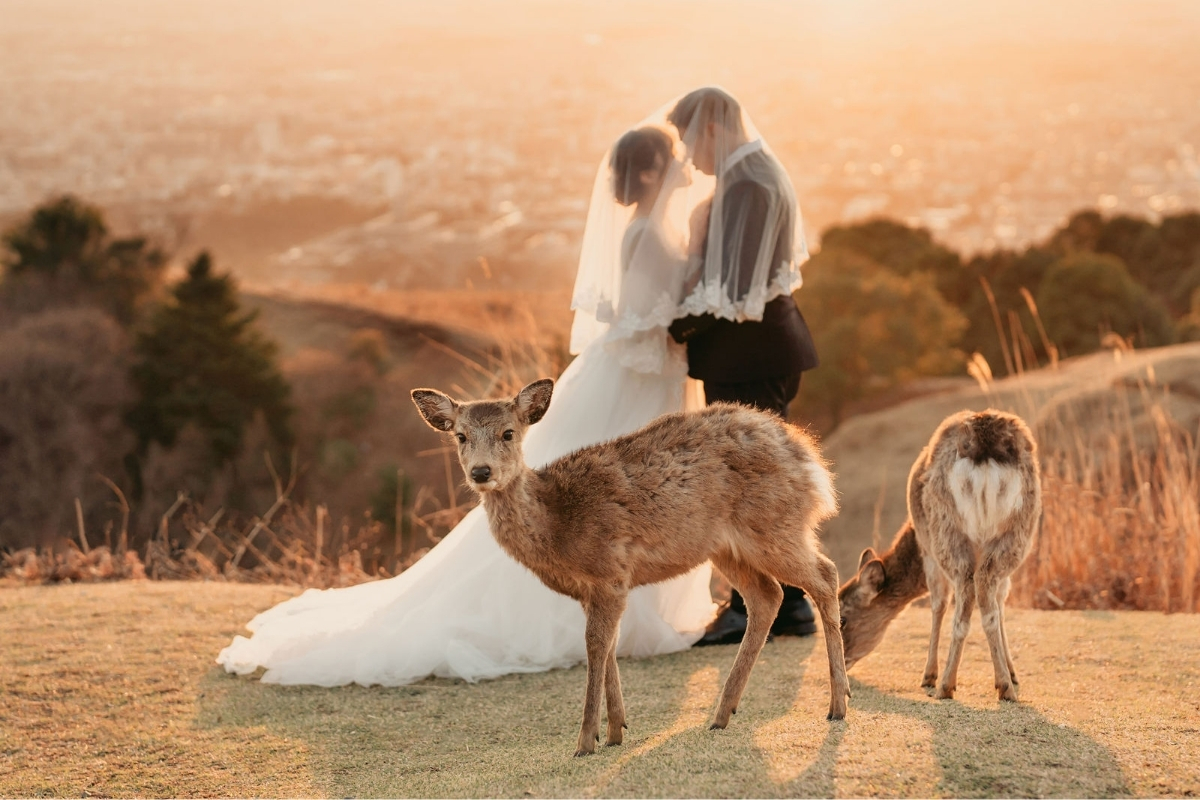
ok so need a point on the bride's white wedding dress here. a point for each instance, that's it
(467, 610)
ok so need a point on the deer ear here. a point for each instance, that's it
(867, 555)
(871, 576)
(533, 400)
(438, 409)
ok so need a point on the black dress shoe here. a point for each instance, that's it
(795, 618)
(728, 628)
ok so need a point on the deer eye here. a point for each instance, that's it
(461, 439)
(507, 436)
(843, 625)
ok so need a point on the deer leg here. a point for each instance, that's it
(763, 595)
(964, 604)
(938, 592)
(821, 583)
(987, 590)
(612, 694)
(1003, 596)
(603, 619)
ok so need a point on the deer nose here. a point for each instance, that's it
(481, 474)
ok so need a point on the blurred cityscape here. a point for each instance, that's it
(420, 145)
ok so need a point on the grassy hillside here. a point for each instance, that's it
(872, 453)
(352, 368)
(111, 690)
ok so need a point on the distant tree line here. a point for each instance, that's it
(888, 304)
(119, 381)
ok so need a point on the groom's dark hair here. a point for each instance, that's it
(706, 104)
(634, 153)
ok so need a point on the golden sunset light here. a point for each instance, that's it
(380, 378)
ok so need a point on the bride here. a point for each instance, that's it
(466, 610)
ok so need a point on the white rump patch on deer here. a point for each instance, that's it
(822, 484)
(986, 495)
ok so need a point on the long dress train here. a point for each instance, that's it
(467, 610)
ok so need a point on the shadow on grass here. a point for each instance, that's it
(513, 737)
(684, 758)
(1004, 750)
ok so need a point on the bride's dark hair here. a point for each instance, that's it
(634, 153)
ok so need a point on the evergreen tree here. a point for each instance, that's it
(200, 360)
(63, 234)
(63, 255)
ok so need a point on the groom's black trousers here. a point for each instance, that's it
(774, 395)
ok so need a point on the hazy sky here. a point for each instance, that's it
(924, 110)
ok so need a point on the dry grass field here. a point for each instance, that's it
(111, 690)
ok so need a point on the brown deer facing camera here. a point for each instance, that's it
(974, 501)
(727, 484)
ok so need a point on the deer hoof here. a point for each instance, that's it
(944, 693)
(1008, 693)
(587, 744)
(716, 727)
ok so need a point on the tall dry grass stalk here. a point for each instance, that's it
(1121, 520)
(1120, 488)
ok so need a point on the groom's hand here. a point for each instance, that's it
(690, 327)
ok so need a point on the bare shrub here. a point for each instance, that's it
(72, 565)
(63, 389)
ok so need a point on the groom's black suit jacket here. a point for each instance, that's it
(724, 351)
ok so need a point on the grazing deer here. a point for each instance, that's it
(728, 484)
(974, 501)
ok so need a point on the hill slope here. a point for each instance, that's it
(873, 453)
(355, 417)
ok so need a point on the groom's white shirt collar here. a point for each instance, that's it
(740, 153)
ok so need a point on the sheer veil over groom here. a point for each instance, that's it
(746, 339)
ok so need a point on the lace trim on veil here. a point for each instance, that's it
(639, 341)
(711, 299)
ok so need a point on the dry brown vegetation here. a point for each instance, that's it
(289, 543)
(1121, 527)
(1117, 431)
(63, 388)
(352, 370)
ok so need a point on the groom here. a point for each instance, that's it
(755, 362)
